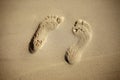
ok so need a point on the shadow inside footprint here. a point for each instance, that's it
(31, 44)
(66, 58)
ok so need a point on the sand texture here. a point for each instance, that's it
(19, 19)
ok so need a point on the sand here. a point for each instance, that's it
(20, 19)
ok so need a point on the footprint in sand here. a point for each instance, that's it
(81, 30)
(50, 23)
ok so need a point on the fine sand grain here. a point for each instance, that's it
(19, 20)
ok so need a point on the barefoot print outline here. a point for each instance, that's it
(81, 30)
(39, 38)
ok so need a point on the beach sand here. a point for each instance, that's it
(19, 21)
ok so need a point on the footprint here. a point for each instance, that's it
(49, 24)
(81, 30)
